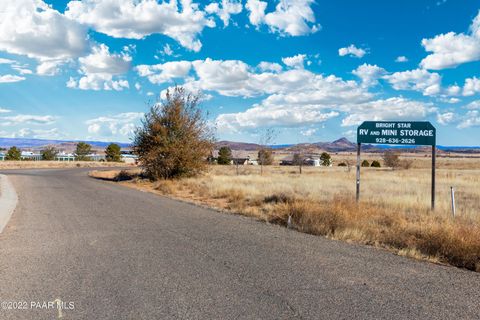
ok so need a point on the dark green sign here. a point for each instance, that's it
(397, 132)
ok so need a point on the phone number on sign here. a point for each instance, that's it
(395, 140)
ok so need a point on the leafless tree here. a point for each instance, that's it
(236, 158)
(391, 158)
(266, 138)
(298, 159)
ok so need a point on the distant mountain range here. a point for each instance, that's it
(340, 145)
(343, 145)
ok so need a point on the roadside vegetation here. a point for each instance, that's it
(49, 153)
(82, 151)
(174, 139)
(393, 212)
(112, 153)
(13, 154)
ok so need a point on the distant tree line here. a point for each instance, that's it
(82, 152)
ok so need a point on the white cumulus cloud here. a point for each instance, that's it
(418, 80)
(452, 49)
(225, 9)
(122, 124)
(471, 87)
(396, 108)
(401, 59)
(28, 119)
(308, 132)
(136, 19)
(269, 66)
(471, 119)
(294, 17)
(32, 28)
(369, 74)
(352, 50)
(164, 72)
(296, 61)
(8, 78)
(6, 61)
(446, 118)
(99, 69)
(53, 133)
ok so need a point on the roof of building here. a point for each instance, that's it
(236, 154)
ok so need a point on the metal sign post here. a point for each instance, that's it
(434, 148)
(413, 133)
(358, 172)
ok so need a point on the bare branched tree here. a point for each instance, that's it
(391, 158)
(266, 139)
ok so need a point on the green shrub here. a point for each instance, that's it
(325, 159)
(112, 153)
(365, 163)
(375, 164)
(13, 154)
(224, 155)
(49, 153)
(82, 151)
(175, 138)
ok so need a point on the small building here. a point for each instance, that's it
(242, 161)
(287, 161)
(238, 157)
(2, 156)
(130, 158)
(314, 162)
(28, 155)
(62, 156)
(97, 157)
(307, 161)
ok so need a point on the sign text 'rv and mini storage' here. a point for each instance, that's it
(397, 132)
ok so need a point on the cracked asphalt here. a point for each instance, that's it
(119, 253)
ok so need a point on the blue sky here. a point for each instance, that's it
(313, 70)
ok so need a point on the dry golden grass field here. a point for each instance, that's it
(394, 211)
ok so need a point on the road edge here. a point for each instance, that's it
(8, 201)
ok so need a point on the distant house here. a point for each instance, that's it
(97, 157)
(128, 156)
(287, 161)
(238, 158)
(240, 161)
(314, 162)
(28, 155)
(2, 156)
(62, 156)
(309, 160)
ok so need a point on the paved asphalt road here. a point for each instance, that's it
(117, 253)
